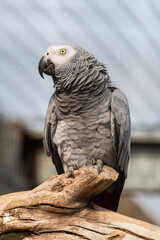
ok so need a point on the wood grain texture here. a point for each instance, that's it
(60, 209)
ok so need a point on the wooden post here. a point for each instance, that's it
(59, 209)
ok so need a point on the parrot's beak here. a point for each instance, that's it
(46, 66)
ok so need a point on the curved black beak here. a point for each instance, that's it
(42, 66)
(46, 67)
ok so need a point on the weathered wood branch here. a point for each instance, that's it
(59, 209)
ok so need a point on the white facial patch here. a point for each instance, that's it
(54, 53)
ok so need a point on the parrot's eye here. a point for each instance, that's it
(62, 51)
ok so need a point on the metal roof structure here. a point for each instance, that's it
(122, 34)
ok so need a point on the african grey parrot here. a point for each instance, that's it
(88, 119)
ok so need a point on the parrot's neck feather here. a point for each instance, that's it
(80, 85)
(81, 101)
(84, 74)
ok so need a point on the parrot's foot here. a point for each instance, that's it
(99, 164)
(71, 169)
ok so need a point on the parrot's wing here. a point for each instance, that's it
(121, 135)
(47, 128)
(49, 131)
(121, 132)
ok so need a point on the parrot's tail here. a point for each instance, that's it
(105, 200)
(110, 199)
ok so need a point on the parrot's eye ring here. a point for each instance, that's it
(63, 51)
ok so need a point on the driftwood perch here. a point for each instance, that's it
(58, 209)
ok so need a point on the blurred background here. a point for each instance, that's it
(125, 35)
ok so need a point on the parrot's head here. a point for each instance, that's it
(66, 62)
(56, 56)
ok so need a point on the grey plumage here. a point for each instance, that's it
(88, 117)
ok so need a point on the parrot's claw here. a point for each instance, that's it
(70, 172)
(99, 166)
(93, 162)
(71, 169)
(76, 167)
